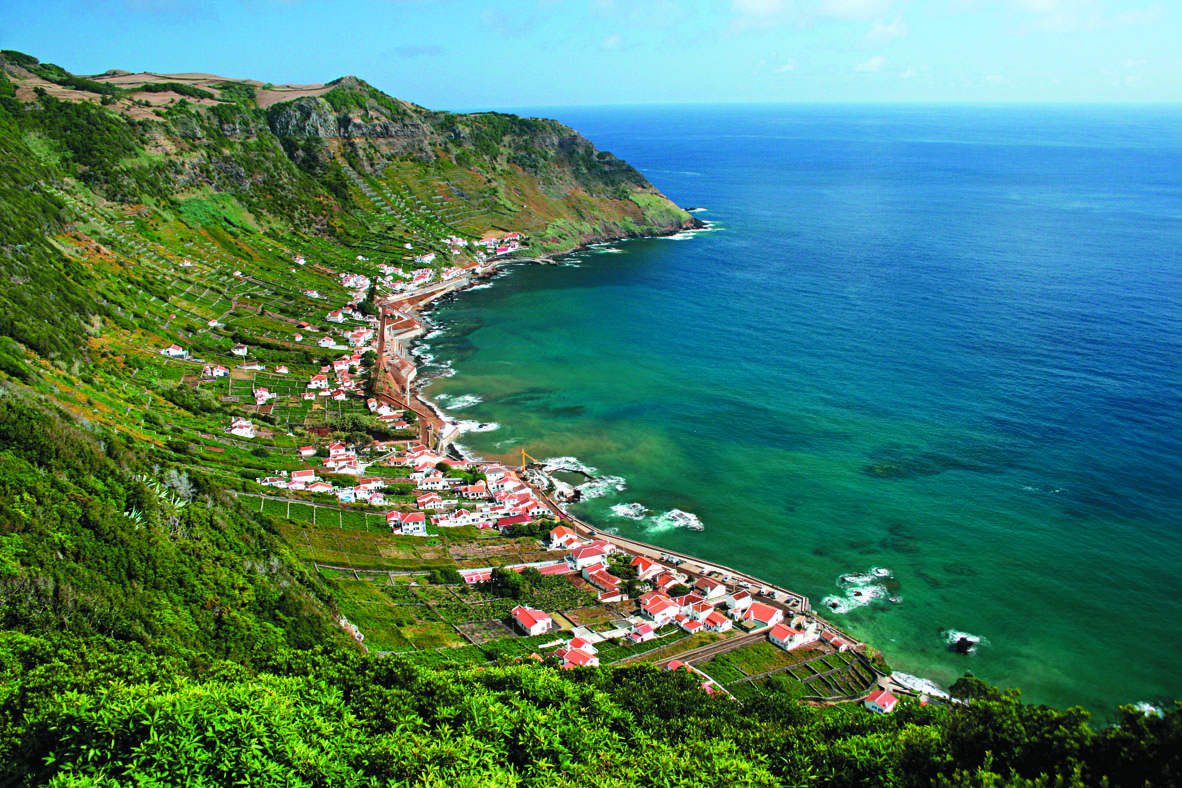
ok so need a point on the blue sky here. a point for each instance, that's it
(470, 54)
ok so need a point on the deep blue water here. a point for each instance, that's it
(941, 340)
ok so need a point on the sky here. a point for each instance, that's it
(490, 54)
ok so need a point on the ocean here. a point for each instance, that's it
(941, 342)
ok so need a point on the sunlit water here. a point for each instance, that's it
(941, 343)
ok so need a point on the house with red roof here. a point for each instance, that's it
(576, 658)
(738, 600)
(407, 523)
(582, 644)
(661, 610)
(588, 555)
(430, 501)
(318, 382)
(836, 640)
(794, 635)
(710, 588)
(642, 633)
(478, 490)
(531, 621)
(717, 622)
(762, 615)
(880, 702)
(690, 625)
(646, 568)
(602, 579)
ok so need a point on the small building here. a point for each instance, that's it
(531, 621)
(562, 538)
(762, 615)
(646, 568)
(307, 451)
(739, 600)
(174, 351)
(880, 702)
(642, 633)
(240, 350)
(576, 658)
(717, 622)
(790, 636)
(710, 588)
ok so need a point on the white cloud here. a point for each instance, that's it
(908, 73)
(885, 31)
(854, 9)
(994, 79)
(612, 42)
(784, 68)
(760, 8)
(1135, 63)
(871, 64)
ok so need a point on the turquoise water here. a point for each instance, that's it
(943, 342)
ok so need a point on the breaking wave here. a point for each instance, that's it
(676, 518)
(953, 636)
(632, 511)
(602, 485)
(551, 464)
(460, 402)
(477, 426)
(919, 684)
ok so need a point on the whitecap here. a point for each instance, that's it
(1148, 709)
(551, 464)
(919, 684)
(879, 571)
(477, 426)
(601, 486)
(676, 518)
(953, 636)
(481, 287)
(461, 401)
(436, 333)
(632, 511)
(860, 590)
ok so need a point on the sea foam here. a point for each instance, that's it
(919, 684)
(632, 511)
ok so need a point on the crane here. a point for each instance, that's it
(525, 456)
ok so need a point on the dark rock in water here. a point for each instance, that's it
(964, 646)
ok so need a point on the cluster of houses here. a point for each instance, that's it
(500, 500)
(495, 246)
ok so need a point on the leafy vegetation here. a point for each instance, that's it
(164, 622)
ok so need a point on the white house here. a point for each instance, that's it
(762, 615)
(239, 350)
(794, 635)
(587, 555)
(710, 588)
(407, 523)
(242, 428)
(880, 702)
(174, 351)
(318, 382)
(531, 621)
(562, 538)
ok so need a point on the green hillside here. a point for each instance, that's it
(165, 618)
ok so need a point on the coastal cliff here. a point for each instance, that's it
(344, 153)
(185, 263)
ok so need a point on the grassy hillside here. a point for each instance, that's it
(165, 619)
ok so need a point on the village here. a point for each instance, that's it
(630, 603)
